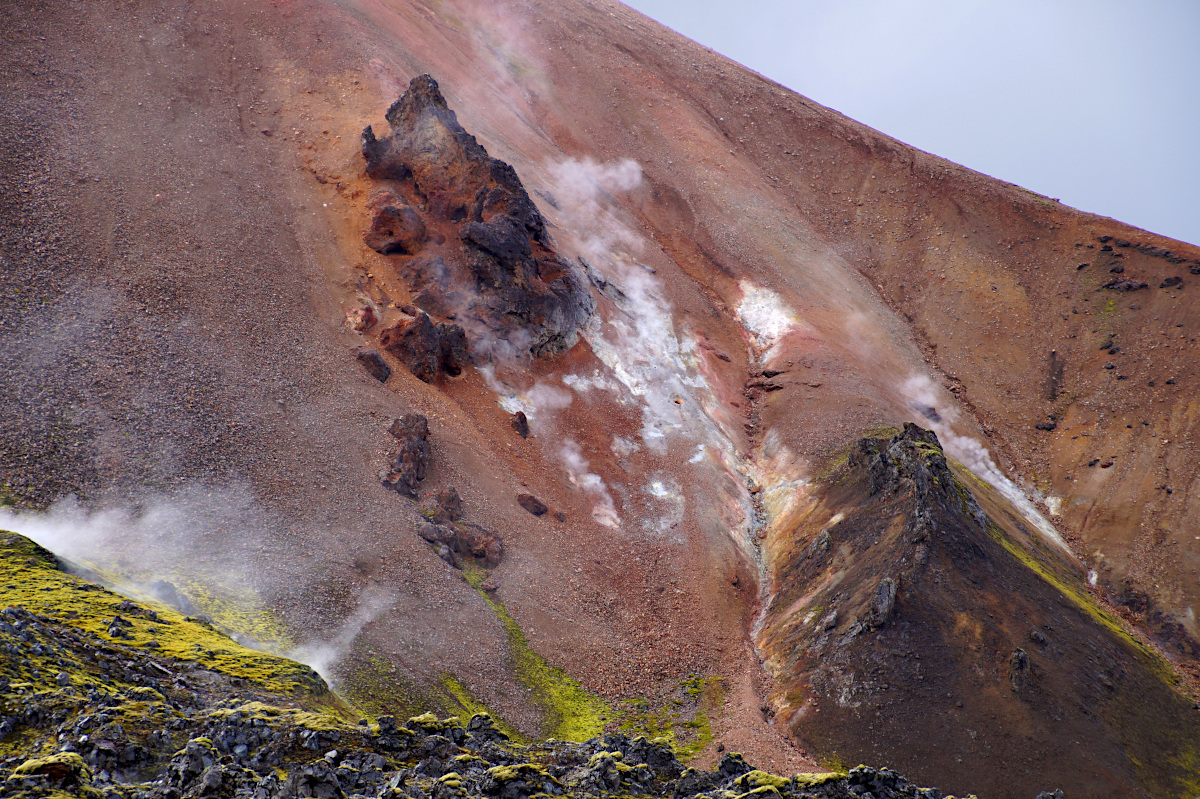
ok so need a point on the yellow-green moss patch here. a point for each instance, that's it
(571, 712)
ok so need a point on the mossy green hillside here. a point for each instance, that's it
(30, 578)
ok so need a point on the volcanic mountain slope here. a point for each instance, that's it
(184, 239)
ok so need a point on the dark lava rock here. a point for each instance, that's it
(520, 423)
(449, 506)
(1171, 282)
(1117, 270)
(316, 779)
(1122, 284)
(463, 538)
(427, 349)
(409, 460)
(1047, 425)
(1018, 669)
(532, 504)
(500, 278)
(395, 226)
(373, 362)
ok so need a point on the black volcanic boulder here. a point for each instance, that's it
(426, 348)
(410, 458)
(520, 423)
(1122, 284)
(496, 270)
(373, 362)
(532, 504)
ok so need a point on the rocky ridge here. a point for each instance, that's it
(877, 620)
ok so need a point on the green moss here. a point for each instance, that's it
(1085, 602)
(471, 706)
(70, 764)
(451, 780)
(817, 779)
(571, 712)
(519, 771)
(760, 779)
(30, 578)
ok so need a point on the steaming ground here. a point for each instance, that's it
(208, 543)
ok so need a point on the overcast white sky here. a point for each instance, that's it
(1095, 102)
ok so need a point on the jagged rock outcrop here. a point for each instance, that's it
(428, 349)
(459, 538)
(410, 457)
(912, 590)
(485, 258)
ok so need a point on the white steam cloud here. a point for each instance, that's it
(540, 402)
(603, 509)
(922, 395)
(323, 656)
(584, 190)
(198, 537)
(153, 538)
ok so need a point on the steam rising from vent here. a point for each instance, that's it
(196, 538)
(583, 189)
(540, 403)
(323, 656)
(157, 537)
(922, 395)
(603, 509)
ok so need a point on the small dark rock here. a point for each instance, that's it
(532, 504)
(427, 349)
(373, 362)
(520, 423)
(1018, 669)
(1121, 284)
(409, 460)
(1047, 425)
(449, 506)
(1171, 282)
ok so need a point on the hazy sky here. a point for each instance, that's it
(1095, 102)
